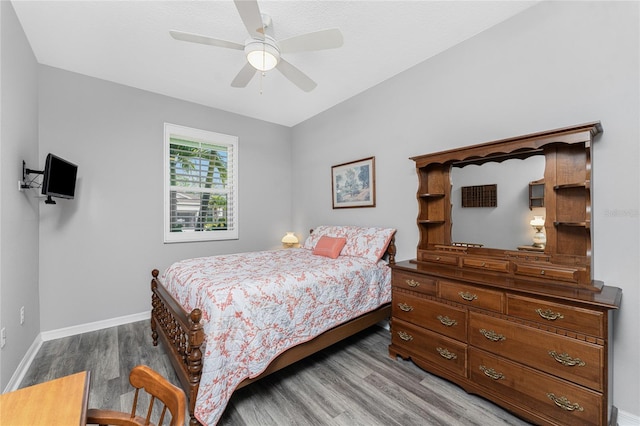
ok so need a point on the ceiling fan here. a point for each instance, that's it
(264, 52)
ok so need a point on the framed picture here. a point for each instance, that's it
(354, 184)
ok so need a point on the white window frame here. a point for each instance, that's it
(207, 137)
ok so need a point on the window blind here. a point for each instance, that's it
(201, 189)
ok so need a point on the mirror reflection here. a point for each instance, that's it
(508, 225)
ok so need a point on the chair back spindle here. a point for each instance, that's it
(142, 377)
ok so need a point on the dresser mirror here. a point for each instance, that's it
(500, 239)
(507, 225)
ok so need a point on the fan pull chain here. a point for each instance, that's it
(262, 74)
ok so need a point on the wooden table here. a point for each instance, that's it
(61, 402)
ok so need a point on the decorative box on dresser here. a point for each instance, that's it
(527, 329)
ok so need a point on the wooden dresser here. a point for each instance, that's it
(528, 330)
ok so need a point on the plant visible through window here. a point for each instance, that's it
(198, 182)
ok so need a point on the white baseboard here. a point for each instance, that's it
(94, 326)
(28, 358)
(45, 336)
(627, 419)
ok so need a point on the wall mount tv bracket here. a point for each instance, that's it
(26, 171)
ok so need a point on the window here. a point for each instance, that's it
(200, 185)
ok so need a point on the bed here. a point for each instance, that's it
(226, 321)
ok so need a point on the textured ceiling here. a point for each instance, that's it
(128, 42)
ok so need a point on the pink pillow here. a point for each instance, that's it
(329, 246)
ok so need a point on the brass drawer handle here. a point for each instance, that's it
(444, 353)
(469, 297)
(405, 336)
(492, 335)
(412, 283)
(446, 321)
(564, 403)
(404, 307)
(491, 373)
(548, 314)
(566, 360)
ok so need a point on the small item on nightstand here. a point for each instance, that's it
(289, 240)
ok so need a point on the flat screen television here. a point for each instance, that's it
(59, 178)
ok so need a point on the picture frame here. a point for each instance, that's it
(353, 184)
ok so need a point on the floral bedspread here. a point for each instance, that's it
(256, 305)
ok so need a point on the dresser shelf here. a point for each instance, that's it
(585, 185)
(428, 195)
(575, 224)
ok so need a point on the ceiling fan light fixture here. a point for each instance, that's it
(262, 55)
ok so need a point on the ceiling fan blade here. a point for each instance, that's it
(296, 76)
(318, 40)
(244, 76)
(196, 38)
(250, 14)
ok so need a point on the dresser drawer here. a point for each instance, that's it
(472, 296)
(575, 360)
(495, 265)
(547, 272)
(434, 257)
(414, 282)
(432, 347)
(579, 320)
(441, 318)
(556, 400)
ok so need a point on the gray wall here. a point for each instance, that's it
(556, 64)
(97, 251)
(18, 211)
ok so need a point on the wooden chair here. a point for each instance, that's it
(143, 377)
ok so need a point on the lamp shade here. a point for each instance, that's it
(262, 55)
(537, 221)
(290, 239)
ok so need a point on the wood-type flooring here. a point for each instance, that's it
(352, 383)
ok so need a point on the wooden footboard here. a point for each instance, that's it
(182, 335)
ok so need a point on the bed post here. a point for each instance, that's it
(183, 335)
(194, 360)
(154, 306)
(391, 250)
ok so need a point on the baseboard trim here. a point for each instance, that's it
(24, 365)
(94, 326)
(627, 419)
(45, 336)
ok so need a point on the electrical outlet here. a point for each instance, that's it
(3, 337)
(20, 188)
(22, 315)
